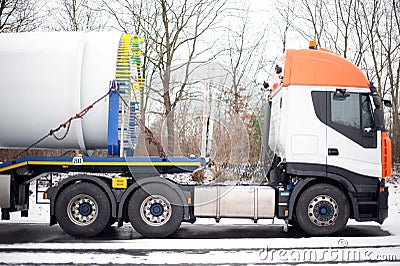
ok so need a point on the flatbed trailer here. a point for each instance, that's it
(115, 177)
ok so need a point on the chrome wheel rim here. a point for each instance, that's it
(82, 210)
(323, 210)
(155, 210)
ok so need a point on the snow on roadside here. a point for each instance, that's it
(392, 223)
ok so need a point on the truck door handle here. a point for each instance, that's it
(333, 152)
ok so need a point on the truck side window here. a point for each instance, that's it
(346, 110)
(366, 112)
(350, 115)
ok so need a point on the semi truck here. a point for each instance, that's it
(326, 152)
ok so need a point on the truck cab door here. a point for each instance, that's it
(351, 136)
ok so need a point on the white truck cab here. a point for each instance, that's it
(325, 125)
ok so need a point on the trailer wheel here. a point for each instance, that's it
(155, 210)
(322, 209)
(83, 210)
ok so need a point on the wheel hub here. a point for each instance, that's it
(85, 209)
(82, 210)
(155, 210)
(323, 210)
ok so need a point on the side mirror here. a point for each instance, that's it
(387, 103)
(378, 119)
(340, 95)
(278, 69)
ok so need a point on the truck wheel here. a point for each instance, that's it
(322, 209)
(83, 210)
(155, 210)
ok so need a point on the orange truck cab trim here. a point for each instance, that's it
(317, 68)
(386, 145)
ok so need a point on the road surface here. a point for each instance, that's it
(200, 244)
(233, 241)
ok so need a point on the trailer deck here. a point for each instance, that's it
(36, 165)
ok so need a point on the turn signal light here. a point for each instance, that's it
(286, 213)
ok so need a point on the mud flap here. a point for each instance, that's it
(383, 205)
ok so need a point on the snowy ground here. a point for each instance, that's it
(206, 243)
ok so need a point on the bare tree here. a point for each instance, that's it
(367, 15)
(388, 32)
(329, 22)
(311, 14)
(378, 23)
(18, 15)
(367, 33)
(77, 15)
(243, 54)
(342, 26)
(286, 11)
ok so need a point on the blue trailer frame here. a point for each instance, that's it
(129, 166)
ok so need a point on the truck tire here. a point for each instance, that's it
(83, 210)
(155, 210)
(321, 210)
